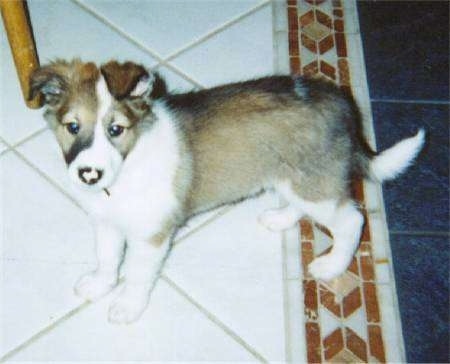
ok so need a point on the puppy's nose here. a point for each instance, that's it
(89, 175)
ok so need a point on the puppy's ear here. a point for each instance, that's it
(50, 82)
(130, 80)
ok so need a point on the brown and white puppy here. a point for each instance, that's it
(143, 161)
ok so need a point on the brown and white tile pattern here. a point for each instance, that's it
(343, 319)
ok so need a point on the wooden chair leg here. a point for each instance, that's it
(20, 36)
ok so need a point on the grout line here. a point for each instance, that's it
(4, 151)
(179, 72)
(420, 233)
(286, 301)
(44, 331)
(222, 212)
(280, 37)
(77, 309)
(219, 29)
(399, 101)
(141, 46)
(219, 213)
(29, 137)
(47, 178)
(215, 320)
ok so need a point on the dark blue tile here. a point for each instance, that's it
(418, 199)
(406, 46)
(421, 272)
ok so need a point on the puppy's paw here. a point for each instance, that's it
(327, 267)
(93, 286)
(128, 306)
(277, 219)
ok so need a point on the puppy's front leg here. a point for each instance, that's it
(144, 259)
(110, 243)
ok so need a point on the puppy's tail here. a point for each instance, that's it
(393, 161)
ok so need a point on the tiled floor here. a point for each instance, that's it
(230, 291)
(222, 294)
(409, 92)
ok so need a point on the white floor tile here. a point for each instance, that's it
(34, 294)
(241, 52)
(17, 121)
(175, 83)
(198, 221)
(166, 26)
(44, 152)
(40, 223)
(64, 30)
(233, 267)
(170, 330)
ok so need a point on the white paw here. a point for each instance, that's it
(328, 266)
(278, 219)
(93, 286)
(128, 306)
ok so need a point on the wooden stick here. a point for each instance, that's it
(20, 36)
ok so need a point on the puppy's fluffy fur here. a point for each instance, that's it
(143, 161)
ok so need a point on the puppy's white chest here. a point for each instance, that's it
(137, 207)
(143, 194)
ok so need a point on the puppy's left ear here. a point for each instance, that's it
(131, 80)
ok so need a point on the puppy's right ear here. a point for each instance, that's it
(49, 82)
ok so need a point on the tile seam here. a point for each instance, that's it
(220, 212)
(47, 178)
(35, 337)
(216, 30)
(29, 137)
(160, 60)
(214, 319)
(410, 101)
(291, 306)
(165, 61)
(77, 309)
(425, 233)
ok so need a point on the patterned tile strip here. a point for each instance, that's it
(342, 317)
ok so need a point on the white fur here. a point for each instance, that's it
(141, 198)
(393, 161)
(280, 219)
(110, 247)
(101, 154)
(144, 86)
(344, 222)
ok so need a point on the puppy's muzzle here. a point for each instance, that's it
(89, 175)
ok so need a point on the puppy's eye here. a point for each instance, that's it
(115, 130)
(73, 127)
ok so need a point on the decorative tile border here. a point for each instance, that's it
(343, 319)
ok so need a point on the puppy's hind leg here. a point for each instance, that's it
(285, 217)
(280, 219)
(345, 224)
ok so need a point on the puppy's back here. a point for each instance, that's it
(245, 137)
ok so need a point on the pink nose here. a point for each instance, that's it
(89, 175)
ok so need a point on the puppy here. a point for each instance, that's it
(143, 161)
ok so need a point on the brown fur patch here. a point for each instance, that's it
(122, 78)
(69, 90)
(249, 136)
(165, 232)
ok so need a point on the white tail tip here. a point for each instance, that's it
(395, 160)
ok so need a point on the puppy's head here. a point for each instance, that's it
(97, 114)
